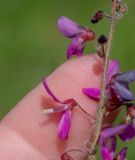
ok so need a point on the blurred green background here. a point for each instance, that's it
(31, 46)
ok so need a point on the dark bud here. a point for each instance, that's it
(65, 156)
(102, 39)
(97, 17)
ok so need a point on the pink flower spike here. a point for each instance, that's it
(93, 93)
(64, 125)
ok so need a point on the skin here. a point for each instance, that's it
(27, 134)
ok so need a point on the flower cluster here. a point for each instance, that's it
(118, 93)
(118, 96)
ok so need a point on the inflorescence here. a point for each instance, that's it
(118, 94)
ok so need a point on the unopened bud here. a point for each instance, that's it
(102, 39)
(97, 17)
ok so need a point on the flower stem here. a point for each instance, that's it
(101, 108)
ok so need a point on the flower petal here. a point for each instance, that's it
(113, 68)
(69, 28)
(93, 93)
(128, 133)
(122, 154)
(126, 77)
(50, 92)
(122, 91)
(111, 131)
(64, 125)
(106, 155)
(76, 47)
(108, 148)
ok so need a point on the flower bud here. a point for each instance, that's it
(102, 39)
(97, 17)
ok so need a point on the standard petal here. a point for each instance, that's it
(128, 133)
(76, 47)
(122, 154)
(123, 92)
(126, 77)
(64, 125)
(93, 93)
(108, 148)
(69, 28)
(113, 69)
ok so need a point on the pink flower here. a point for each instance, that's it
(65, 109)
(79, 34)
(107, 143)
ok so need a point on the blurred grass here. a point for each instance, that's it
(31, 46)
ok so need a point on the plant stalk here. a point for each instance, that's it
(101, 108)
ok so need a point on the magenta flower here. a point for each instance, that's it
(79, 34)
(94, 93)
(122, 154)
(108, 150)
(129, 131)
(65, 108)
(117, 88)
(108, 143)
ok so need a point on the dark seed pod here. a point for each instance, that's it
(102, 39)
(97, 17)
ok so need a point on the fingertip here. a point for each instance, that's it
(65, 82)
